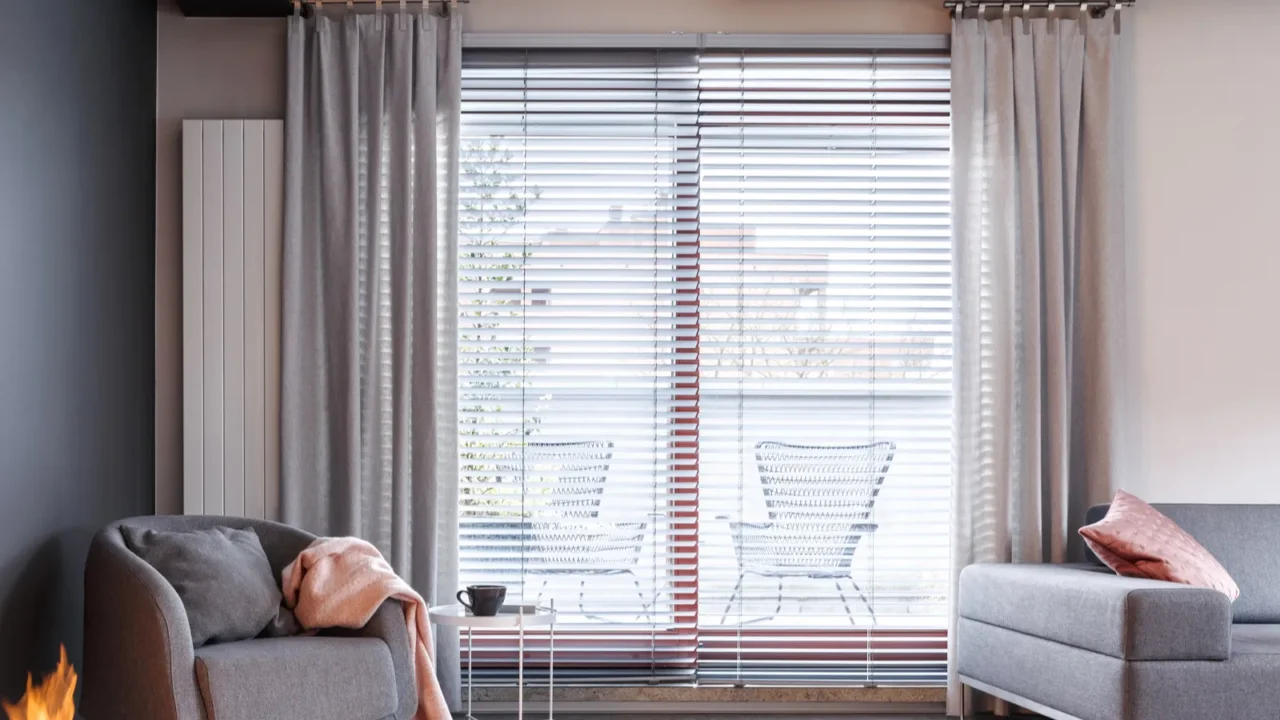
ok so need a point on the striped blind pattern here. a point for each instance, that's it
(705, 360)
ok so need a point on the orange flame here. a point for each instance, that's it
(53, 699)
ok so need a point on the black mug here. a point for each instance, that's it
(485, 599)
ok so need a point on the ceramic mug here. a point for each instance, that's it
(483, 600)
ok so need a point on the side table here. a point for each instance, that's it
(510, 616)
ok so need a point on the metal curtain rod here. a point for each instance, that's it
(379, 3)
(983, 4)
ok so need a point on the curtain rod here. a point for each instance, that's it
(379, 3)
(983, 4)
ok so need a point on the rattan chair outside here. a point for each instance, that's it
(820, 500)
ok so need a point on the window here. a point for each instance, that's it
(705, 360)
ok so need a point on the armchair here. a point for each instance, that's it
(140, 664)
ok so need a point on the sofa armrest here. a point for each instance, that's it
(1127, 618)
(388, 624)
(138, 657)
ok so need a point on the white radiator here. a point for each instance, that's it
(232, 231)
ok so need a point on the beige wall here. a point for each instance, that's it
(1204, 256)
(205, 70)
(211, 69)
(1204, 251)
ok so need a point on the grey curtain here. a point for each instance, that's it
(369, 409)
(1037, 227)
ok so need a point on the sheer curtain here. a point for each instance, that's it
(1037, 269)
(369, 411)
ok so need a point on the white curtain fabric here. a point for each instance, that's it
(369, 379)
(1037, 270)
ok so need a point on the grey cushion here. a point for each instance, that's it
(1129, 618)
(1244, 538)
(1255, 640)
(222, 576)
(302, 678)
(1245, 688)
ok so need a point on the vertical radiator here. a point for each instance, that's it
(232, 231)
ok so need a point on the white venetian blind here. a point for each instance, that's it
(825, 357)
(705, 359)
(578, 234)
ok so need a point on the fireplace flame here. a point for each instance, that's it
(52, 699)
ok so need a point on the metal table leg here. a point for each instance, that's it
(470, 670)
(520, 674)
(551, 667)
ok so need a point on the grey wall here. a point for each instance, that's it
(77, 374)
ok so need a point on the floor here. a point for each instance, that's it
(577, 716)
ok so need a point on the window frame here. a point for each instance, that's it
(683, 442)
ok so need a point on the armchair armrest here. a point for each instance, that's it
(138, 656)
(388, 625)
(1092, 609)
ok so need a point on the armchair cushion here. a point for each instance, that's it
(222, 576)
(1092, 609)
(307, 678)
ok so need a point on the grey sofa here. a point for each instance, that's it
(139, 661)
(1077, 642)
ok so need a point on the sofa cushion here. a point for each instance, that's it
(1255, 639)
(307, 678)
(1092, 609)
(221, 574)
(1136, 540)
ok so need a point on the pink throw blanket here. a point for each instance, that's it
(341, 582)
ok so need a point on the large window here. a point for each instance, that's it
(706, 360)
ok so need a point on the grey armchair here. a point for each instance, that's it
(139, 661)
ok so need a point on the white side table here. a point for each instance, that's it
(510, 616)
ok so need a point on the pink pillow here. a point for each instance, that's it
(1136, 540)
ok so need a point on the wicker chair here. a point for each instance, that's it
(567, 537)
(820, 499)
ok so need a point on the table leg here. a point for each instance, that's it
(470, 670)
(520, 674)
(551, 667)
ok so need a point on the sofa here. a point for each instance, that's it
(1078, 642)
(140, 663)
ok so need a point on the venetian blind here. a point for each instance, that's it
(825, 365)
(578, 240)
(705, 360)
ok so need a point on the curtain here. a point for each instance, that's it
(1037, 258)
(369, 407)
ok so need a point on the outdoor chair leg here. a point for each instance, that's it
(648, 617)
(729, 606)
(844, 600)
(865, 601)
(778, 610)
